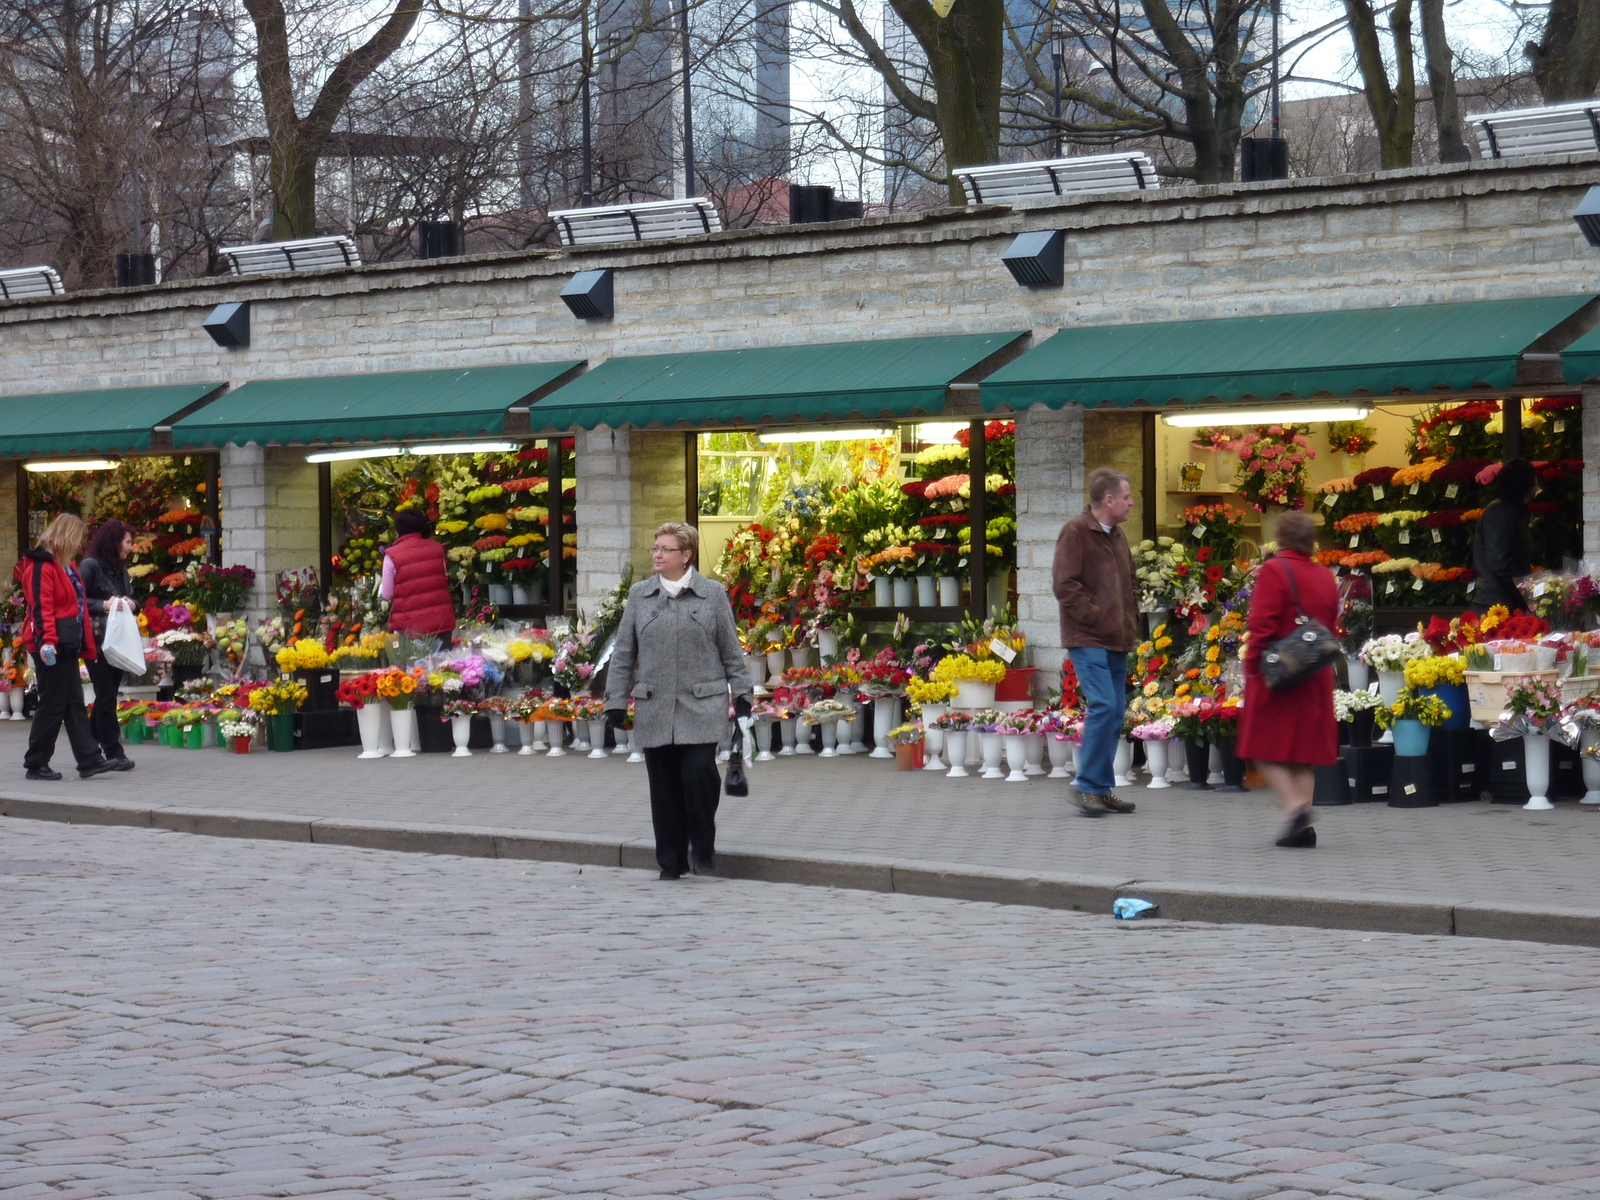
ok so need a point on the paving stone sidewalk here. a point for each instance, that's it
(855, 808)
(203, 1018)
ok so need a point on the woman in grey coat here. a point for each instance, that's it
(677, 654)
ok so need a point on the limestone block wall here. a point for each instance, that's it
(242, 509)
(9, 550)
(628, 485)
(1591, 473)
(657, 491)
(1050, 482)
(1116, 439)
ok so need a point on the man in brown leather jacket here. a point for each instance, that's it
(1093, 582)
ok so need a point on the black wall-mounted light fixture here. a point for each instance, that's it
(589, 295)
(229, 325)
(1587, 215)
(1037, 259)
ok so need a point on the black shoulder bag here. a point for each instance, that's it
(1293, 659)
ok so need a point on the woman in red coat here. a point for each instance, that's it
(1290, 731)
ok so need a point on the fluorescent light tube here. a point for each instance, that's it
(1267, 416)
(323, 456)
(827, 435)
(81, 464)
(466, 448)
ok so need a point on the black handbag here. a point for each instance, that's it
(1293, 659)
(69, 634)
(736, 784)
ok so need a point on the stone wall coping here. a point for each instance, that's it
(1080, 213)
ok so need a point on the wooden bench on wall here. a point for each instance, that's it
(1553, 129)
(26, 283)
(303, 254)
(648, 221)
(1005, 183)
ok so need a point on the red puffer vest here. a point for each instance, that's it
(422, 603)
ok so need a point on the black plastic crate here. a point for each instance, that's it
(1566, 773)
(322, 730)
(1331, 789)
(1453, 764)
(1504, 769)
(1411, 784)
(1367, 771)
(323, 686)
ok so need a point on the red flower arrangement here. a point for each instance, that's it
(520, 564)
(357, 692)
(992, 432)
(915, 488)
(1473, 410)
(1459, 470)
(1379, 476)
(1553, 404)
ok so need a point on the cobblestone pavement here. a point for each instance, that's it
(201, 1017)
(856, 806)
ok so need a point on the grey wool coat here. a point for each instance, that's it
(681, 661)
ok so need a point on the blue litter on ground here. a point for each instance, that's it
(1126, 908)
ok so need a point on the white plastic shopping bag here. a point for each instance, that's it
(122, 647)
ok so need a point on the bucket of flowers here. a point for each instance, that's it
(1532, 712)
(975, 679)
(238, 726)
(907, 740)
(1357, 710)
(276, 703)
(1412, 717)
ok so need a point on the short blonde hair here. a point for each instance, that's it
(688, 537)
(63, 537)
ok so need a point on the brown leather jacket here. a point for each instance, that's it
(1093, 581)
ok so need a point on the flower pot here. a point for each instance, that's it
(905, 756)
(1017, 685)
(1214, 774)
(883, 720)
(241, 745)
(903, 593)
(403, 729)
(1361, 725)
(213, 734)
(1233, 767)
(194, 736)
(1061, 759)
(1356, 673)
(1455, 699)
(857, 730)
(1198, 755)
(597, 737)
(580, 736)
(1410, 739)
(1156, 753)
(497, 731)
(1177, 767)
(369, 719)
(757, 665)
(842, 739)
(541, 735)
(461, 734)
(827, 644)
(802, 738)
(1033, 753)
(991, 746)
(1390, 684)
(1122, 763)
(927, 594)
(1536, 761)
(800, 656)
(786, 737)
(933, 739)
(972, 695)
(280, 731)
(882, 593)
(499, 594)
(519, 594)
(763, 733)
(829, 740)
(1591, 767)
(1016, 757)
(624, 742)
(956, 741)
(134, 730)
(558, 736)
(949, 591)
(999, 591)
(774, 663)
(525, 736)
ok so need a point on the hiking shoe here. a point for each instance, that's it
(1089, 803)
(1116, 804)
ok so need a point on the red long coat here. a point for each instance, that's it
(1295, 725)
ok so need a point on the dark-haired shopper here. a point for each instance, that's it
(106, 585)
(1502, 550)
(416, 581)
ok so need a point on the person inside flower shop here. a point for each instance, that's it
(1502, 549)
(416, 581)
(1093, 581)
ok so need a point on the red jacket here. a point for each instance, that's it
(422, 603)
(1295, 725)
(52, 593)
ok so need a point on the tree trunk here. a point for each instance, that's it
(1442, 82)
(1393, 106)
(1566, 61)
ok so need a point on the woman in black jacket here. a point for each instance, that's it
(1501, 548)
(105, 581)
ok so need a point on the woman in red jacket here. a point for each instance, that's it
(1289, 732)
(57, 630)
(416, 581)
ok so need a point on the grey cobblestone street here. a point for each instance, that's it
(202, 1017)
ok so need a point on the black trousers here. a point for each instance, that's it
(60, 702)
(103, 721)
(684, 791)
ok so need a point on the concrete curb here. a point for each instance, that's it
(1179, 901)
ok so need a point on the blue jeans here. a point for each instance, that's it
(1103, 681)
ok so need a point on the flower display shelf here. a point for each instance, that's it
(913, 613)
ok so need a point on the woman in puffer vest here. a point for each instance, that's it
(415, 580)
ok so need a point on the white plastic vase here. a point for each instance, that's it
(841, 732)
(933, 739)
(497, 730)
(829, 740)
(403, 729)
(1156, 751)
(903, 593)
(757, 663)
(1389, 685)
(558, 735)
(1016, 757)
(369, 720)
(580, 736)
(597, 738)
(800, 656)
(786, 737)
(1536, 758)
(956, 739)
(949, 591)
(802, 738)
(927, 593)
(763, 732)
(1214, 766)
(883, 720)
(858, 731)
(624, 740)
(1357, 672)
(1060, 759)
(5, 705)
(499, 594)
(1177, 766)
(461, 734)
(1032, 753)
(1121, 762)
(525, 735)
(1591, 768)
(635, 752)
(992, 746)
(827, 643)
(541, 736)
(882, 593)
(774, 664)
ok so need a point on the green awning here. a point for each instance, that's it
(109, 421)
(831, 382)
(461, 402)
(1581, 360)
(1369, 351)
